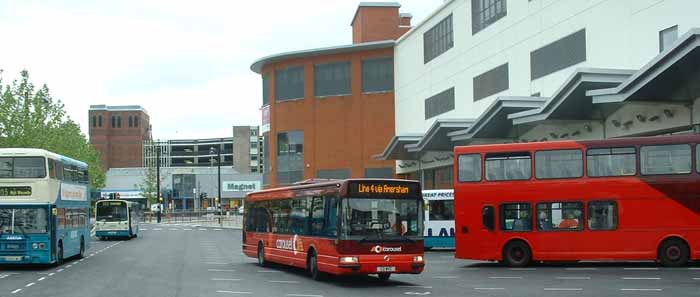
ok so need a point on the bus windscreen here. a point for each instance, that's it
(381, 219)
(111, 211)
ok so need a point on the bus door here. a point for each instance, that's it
(53, 225)
(486, 234)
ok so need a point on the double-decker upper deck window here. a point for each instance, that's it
(469, 168)
(289, 83)
(487, 12)
(559, 164)
(666, 159)
(508, 166)
(619, 161)
(438, 39)
(23, 167)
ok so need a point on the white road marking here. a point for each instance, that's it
(421, 287)
(653, 290)
(144, 229)
(59, 270)
(217, 229)
(469, 269)
(16, 291)
(232, 292)
(693, 268)
(445, 277)
(581, 268)
(267, 271)
(216, 263)
(157, 229)
(640, 268)
(641, 278)
(220, 270)
(226, 279)
(573, 277)
(3, 276)
(51, 274)
(563, 289)
(505, 277)
(69, 266)
(522, 269)
(696, 278)
(302, 295)
(41, 279)
(490, 289)
(202, 229)
(173, 229)
(29, 285)
(283, 282)
(186, 229)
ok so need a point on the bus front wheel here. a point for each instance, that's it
(59, 253)
(517, 254)
(261, 255)
(313, 267)
(82, 248)
(674, 252)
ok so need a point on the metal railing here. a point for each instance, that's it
(209, 218)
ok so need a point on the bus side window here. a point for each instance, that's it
(59, 170)
(331, 228)
(602, 215)
(489, 217)
(52, 168)
(317, 215)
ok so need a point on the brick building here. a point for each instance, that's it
(118, 133)
(331, 109)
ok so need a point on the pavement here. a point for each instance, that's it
(181, 260)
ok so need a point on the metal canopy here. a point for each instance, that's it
(436, 139)
(396, 149)
(493, 122)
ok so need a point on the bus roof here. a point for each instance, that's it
(563, 144)
(26, 152)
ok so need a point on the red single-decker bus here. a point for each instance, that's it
(613, 199)
(340, 227)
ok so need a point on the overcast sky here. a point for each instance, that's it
(186, 62)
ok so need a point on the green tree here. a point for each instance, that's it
(148, 185)
(31, 118)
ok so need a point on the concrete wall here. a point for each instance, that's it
(619, 34)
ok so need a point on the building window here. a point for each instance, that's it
(332, 79)
(428, 179)
(114, 121)
(289, 83)
(266, 89)
(131, 121)
(440, 103)
(445, 175)
(333, 173)
(508, 166)
(602, 215)
(516, 217)
(611, 161)
(379, 172)
(438, 39)
(290, 157)
(469, 168)
(136, 121)
(667, 37)
(666, 159)
(490, 82)
(99, 121)
(487, 12)
(253, 144)
(558, 55)
(266, 168)
(378, 75)
(119, 121)
(94, 121)
(559, 164)
(560, 216)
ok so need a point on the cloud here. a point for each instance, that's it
(186, 62)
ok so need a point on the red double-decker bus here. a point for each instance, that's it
(615, 199)
(354, 226)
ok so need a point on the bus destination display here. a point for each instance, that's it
(15, 191)
(375, 189)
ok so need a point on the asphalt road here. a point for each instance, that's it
(196, 261)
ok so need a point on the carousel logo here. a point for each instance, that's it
(294, 244)
(386, 249)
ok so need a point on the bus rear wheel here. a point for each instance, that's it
(517, 254)
(674, 253)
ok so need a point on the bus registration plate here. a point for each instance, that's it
(13, 258)
(386, 269)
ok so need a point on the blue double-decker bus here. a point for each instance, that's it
(44, 207)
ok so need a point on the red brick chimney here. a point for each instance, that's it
(375, 21)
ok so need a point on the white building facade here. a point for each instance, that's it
(494, 71)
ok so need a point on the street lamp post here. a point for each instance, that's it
(218, 186)
(160, 199)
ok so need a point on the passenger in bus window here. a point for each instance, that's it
(543, 222)
(522, 223)
(569, 223)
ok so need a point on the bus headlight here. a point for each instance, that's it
(35, 245)
(39, 246)
(42, 246)
(349, 260)
(418, 259)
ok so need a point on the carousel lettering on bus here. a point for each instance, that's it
(293, 244)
